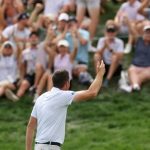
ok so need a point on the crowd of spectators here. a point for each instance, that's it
(39, 37)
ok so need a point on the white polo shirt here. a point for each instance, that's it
(29, 56)
(8, 68)
(117, 45)
(50, 110)
(12, 32)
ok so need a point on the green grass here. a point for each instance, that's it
(112, 121)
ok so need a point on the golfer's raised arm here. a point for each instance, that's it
(94, 88)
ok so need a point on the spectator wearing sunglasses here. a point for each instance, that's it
(110, 49)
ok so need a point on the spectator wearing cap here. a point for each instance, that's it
(9, 11)
(139, 71)
(8, 68)
(63, 60)
(18, 33)
(110, 49)
(62, 29)
(27, 67)
(62, 21)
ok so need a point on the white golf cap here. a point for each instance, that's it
(63, 43)
(146, 27)
(63, 16)
(8, 44)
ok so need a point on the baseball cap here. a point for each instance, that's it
(63, 16)
(8, 44)
(63, 43)
(147, 27)
(23, 16)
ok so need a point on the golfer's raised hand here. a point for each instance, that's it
(101, 67)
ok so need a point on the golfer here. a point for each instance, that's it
(48, 116)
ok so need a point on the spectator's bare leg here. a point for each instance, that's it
(49, 83)
(7, 86)
(42, 83)
(23, 87)
(114, 65)
(133, 76)
(144, 76)
(72, 6)
(79, 69)
(80, 13)
(139, 27)
(38, 74)
(137, 77)
(2, 91)
(94, 15)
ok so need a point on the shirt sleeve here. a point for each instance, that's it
(34, 112)
(100, 44)
(27, 33)
(120, 46)
(8, 32)
(68, 97)
(85, 35)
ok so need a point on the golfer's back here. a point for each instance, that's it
(50, 110)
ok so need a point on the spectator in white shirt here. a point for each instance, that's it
(8, 68)
(27, 67)
(110, 49)
(18, 33)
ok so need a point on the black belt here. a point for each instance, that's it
(50, 143)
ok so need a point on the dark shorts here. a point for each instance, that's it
(82, 63)
(30, 78)
(15, 83)
(117, 72)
